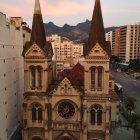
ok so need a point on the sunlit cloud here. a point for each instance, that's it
(74, 11)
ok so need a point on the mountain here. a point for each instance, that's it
(76, 33)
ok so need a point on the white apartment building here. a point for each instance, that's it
(11, 75)
(56, 43)
(64, 48)
(108, 37)
(129, 42)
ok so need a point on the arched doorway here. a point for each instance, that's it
(65, 138)
(36, 138)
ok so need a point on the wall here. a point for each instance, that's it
(11, 77)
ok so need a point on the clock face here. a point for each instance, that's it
(66, 110)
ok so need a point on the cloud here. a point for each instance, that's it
(50, 8)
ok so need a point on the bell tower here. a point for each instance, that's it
(96, 101)
(37, 55)
(97, 53)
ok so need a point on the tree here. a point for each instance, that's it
(114, 58)
(134, 65)
(130, 105)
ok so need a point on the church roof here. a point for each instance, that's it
(76, 74)
(38, 32)
(97, 33)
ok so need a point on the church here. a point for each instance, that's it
(77, 105)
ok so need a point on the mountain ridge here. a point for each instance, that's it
(77, 32)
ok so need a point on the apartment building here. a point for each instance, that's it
(129, 42)
(56, 43)
(116, 42)
(11, 75)
(108, 37)
(64, 49)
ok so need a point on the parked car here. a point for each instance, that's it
(136, 75)
(118, 88)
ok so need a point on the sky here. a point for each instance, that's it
(60, 12)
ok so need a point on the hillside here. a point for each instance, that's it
(78, 33)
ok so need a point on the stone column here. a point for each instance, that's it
(85, 123)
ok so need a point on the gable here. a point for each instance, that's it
(35, 51)
(66, 88)
(98, 51)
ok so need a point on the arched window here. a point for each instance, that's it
(100, 77)
(93, 78)
(93, 113)
(39, 77)
(36, 113)
(36, 77)
(40, 114)
(32, 69)
(96, 115)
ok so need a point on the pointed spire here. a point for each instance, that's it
(97, 33)
(38, 32)
(37, 9)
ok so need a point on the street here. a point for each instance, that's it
(131, 87)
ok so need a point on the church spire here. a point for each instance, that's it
(38, 32)
(37, 9)
(97, 33)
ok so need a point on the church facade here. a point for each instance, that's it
(76, 105)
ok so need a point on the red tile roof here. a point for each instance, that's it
(114, 96)
(26, 28)
(76, 74)
(111, 77)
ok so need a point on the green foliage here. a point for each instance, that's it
(114, 58)
(134, 65)
(130, 104)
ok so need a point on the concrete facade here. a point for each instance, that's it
(116, 42)
(64, 48)
(129, 42)
(109, 37)
(11, 75)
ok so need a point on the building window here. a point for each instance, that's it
(32, 76)
(36, 77)
(93, 78)
(93, 116)
(37, 113)
(110, 84)
(100, 77)
(96, 115)
(39, 78)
